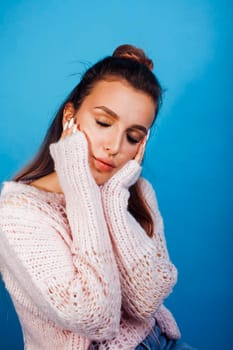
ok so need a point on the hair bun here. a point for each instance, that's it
(134, 53)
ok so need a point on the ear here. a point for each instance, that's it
(68, 112)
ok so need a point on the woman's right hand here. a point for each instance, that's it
(70, 127)
(71, 154)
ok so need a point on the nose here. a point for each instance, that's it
(113, 143)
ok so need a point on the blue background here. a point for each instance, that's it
(45, 45)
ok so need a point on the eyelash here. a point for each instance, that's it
(129, 138)
(132, 140)
(105, 125)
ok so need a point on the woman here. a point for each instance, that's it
(82, 249)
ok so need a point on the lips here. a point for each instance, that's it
(103, 164)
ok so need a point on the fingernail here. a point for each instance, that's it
(148, 135)
(144, 143)
(71, 123)
(74, 129)
(65, 126)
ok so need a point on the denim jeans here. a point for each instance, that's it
(158, 341)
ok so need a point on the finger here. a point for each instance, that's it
(141, 151)
(69, 128)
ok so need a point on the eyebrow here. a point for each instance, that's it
(108, 111)
(116, 117)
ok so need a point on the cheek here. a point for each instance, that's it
(94, 139)
(90, 132)
(130, 152)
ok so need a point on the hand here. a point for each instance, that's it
(130, 172)
(73, 143)
(70, 127)
(71, 156)
(141, 151)
(125, 177)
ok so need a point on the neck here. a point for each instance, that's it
(48, 183)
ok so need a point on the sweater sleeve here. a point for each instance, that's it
(77, 287)
(146, 272)
(132, 332)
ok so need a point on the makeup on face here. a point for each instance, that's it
(116, 119)
(109, 117)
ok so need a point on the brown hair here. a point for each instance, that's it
(127, 63)
(129, 51)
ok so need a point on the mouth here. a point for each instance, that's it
(103, 164)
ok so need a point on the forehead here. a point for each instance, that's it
(131, 105)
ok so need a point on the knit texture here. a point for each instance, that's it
(77, 265)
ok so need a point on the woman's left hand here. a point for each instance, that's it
(141, 150)
(129, 173)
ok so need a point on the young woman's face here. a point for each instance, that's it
(115, 119)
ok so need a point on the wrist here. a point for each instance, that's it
(70, 156)
(72, 148)
(124, 178)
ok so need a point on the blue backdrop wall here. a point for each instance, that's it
(45, 45)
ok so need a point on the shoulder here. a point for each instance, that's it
(17, 197)
(26, 210)
(148, 192)
(145, 185)
(11, 191)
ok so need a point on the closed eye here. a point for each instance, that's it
(104, 124)
(132, 139)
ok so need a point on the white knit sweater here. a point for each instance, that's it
(77, 265)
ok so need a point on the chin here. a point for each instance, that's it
(101, 179)
(100, 182)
